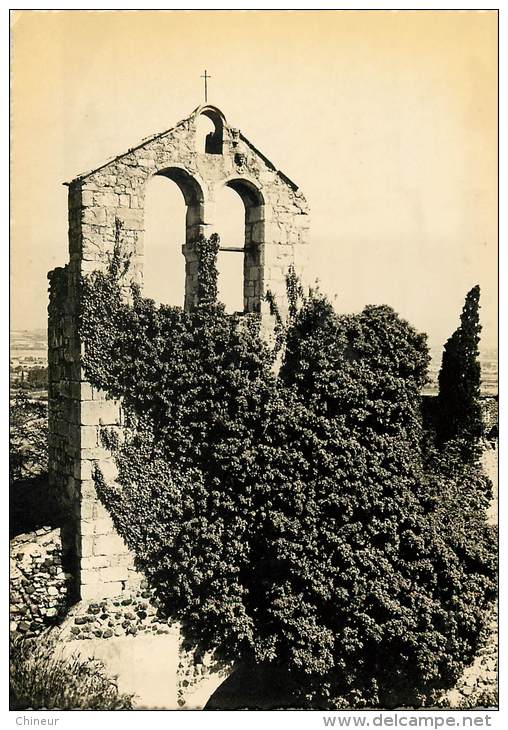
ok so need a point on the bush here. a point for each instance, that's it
(405, 571)
(289, 520)
(42, 679)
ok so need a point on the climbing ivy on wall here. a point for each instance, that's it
(289, 520)
(207, 250)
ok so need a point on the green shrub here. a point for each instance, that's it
(289, 520)
(40, 678)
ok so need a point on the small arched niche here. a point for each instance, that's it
(209, 131)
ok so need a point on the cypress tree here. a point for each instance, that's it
(459, 381)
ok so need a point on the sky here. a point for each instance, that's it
(387, 120)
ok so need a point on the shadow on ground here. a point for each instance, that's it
(253, 688)
(31, 506)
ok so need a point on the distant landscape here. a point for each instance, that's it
(29, 350)
(488, 362)
(29, 344)
(29, 361)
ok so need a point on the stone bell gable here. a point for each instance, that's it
(110, 198)
(276, 212)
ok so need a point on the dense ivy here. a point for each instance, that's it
(291, 520)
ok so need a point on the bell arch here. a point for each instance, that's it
(254, 240)
(214, 139)
(192, 192)
(229, 223)
(163, 266)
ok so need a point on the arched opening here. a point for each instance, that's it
(173, 214)
(239, 220)
(164, 264)
(229, 223)
(209, 132)
(253, 241)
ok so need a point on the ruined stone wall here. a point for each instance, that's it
(41, 592)
(40, 588)
(41, 595)
(130, 613)
(95, 554)
(107, 206)
(63, 386)
(63, 409)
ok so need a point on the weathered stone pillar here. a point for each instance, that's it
(195, 226)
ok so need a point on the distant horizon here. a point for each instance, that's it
(389, 129)
(488, 360)
(433, 349)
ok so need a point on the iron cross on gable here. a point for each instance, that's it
(206, 77)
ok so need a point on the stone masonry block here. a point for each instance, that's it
(99, 511)
(75, 389)
(255, 214)
(96, 412)
(273, 233)
(98, 590)
(86, 198)
(82, 469)
(109, 545)
(93, 453)
(124, 561)
(94, 216)
(85, 546)
(105, 199)
(114, 575)
(88, 490)
(72, 488)
(86, 392)
(109, 470)
(88, 575)
(91, 526)
(103, 526)
(94, 562)
(85, 510)
(131, 218)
